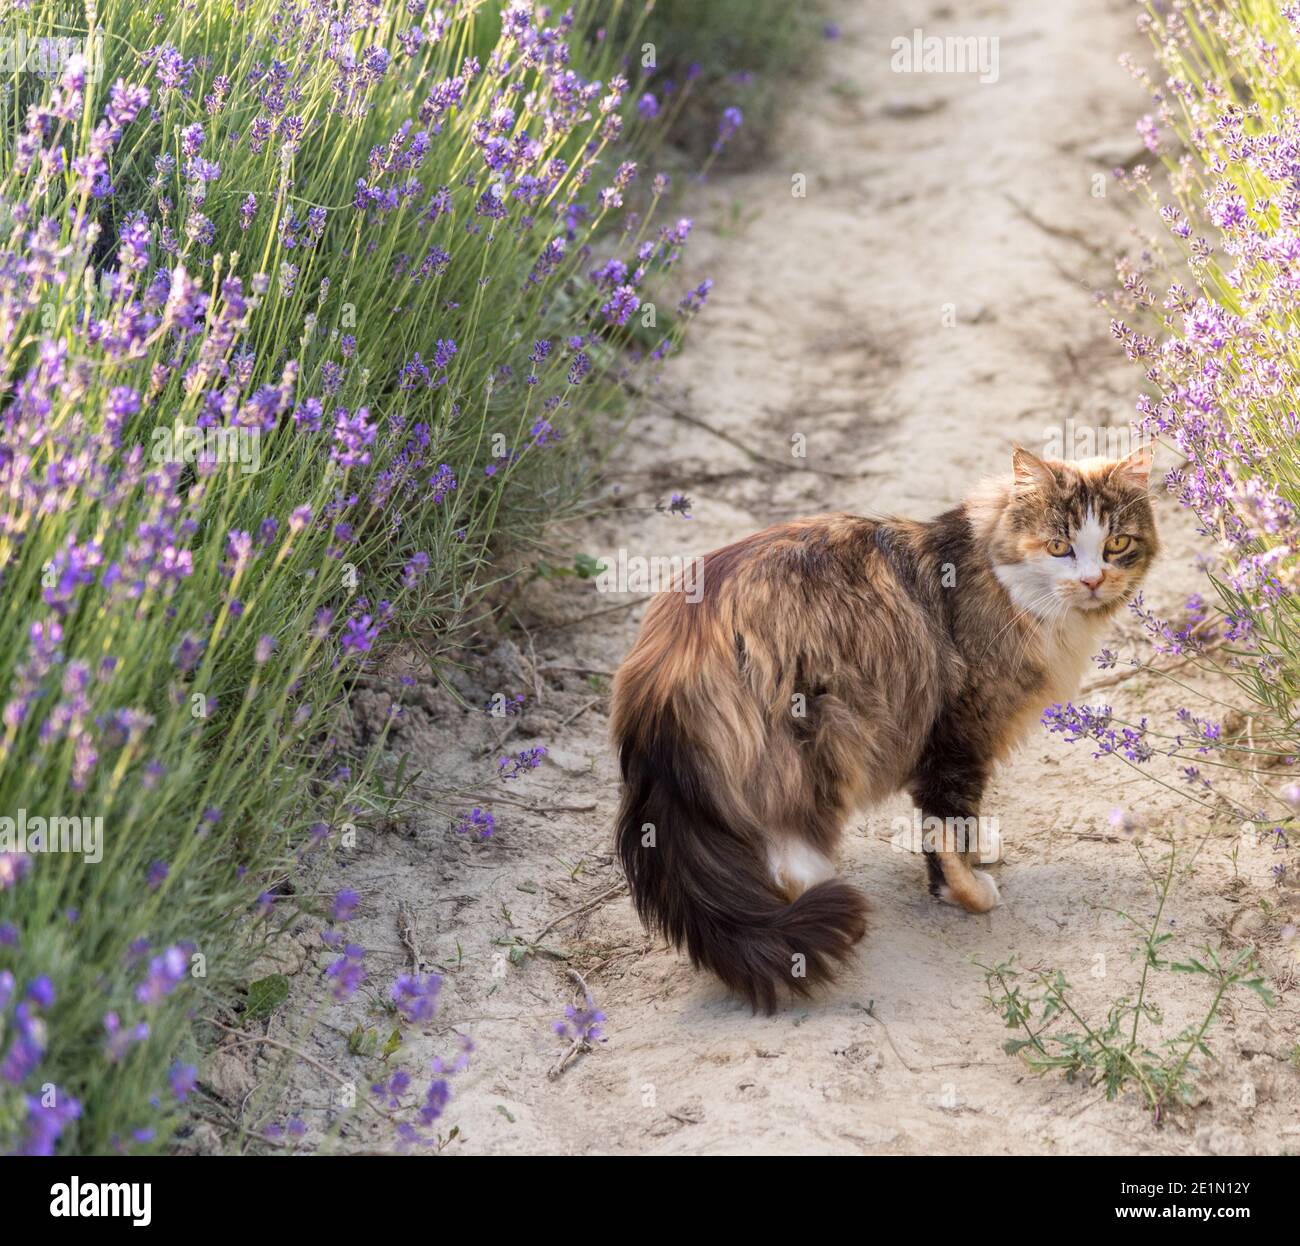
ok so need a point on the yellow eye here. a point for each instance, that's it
(1117, 544)
(1058, 548)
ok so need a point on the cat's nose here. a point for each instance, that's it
(1092, 581)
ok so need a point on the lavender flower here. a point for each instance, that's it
(416, 996)
(13, 867)
(581, 1025)
(520, 763)
(345, 905)
(182, 1079)
(47, 1118)
(348, 972)
(732, 120)
(166, 972)
(353, 434)
(479, 824)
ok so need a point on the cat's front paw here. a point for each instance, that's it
(978, 894)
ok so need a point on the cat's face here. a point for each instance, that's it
(1075, 536)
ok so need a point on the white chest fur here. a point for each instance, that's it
(1063, 652)
(1066, 648)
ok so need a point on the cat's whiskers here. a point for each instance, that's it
(1047, 621)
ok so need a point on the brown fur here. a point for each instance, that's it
(830, 662)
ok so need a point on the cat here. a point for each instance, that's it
(831, 661)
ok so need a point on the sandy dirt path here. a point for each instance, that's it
(925, 303)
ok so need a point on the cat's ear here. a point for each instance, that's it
(1135, 470)
(1030, 471)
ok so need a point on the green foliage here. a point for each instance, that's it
(265, 996)
(1118, 1053)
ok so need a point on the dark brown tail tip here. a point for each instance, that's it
(800, 947)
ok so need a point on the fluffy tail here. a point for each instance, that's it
(702, 883)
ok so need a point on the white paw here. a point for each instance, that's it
(990, 889)
(987, 895)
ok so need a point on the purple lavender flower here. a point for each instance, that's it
(345, 905)
(520, 763)
(348, 972)
(120, 1039)
(677, 504)
(359, 634)
(579, 368)
(353, 435)
(732, 120)
(416, 996)
(26, 1048)
(166, 972)
(581, 1025)
(1080, 722)
(46, 1122)
(1149, 133)
(620, 306)
(416, 567)
(479, 824)
(443, 352)
(695, 299)
(13, 868)
(182, 1079)
(41, 991)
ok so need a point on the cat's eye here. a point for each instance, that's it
(1117, 544)
(1058, 548)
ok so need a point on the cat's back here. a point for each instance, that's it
(806, 556)
(797, 579)
(828, 606)
(813, 592)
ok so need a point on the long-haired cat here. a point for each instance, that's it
(832, 661)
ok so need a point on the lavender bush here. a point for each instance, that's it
(1215, 322)
(302, 307)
